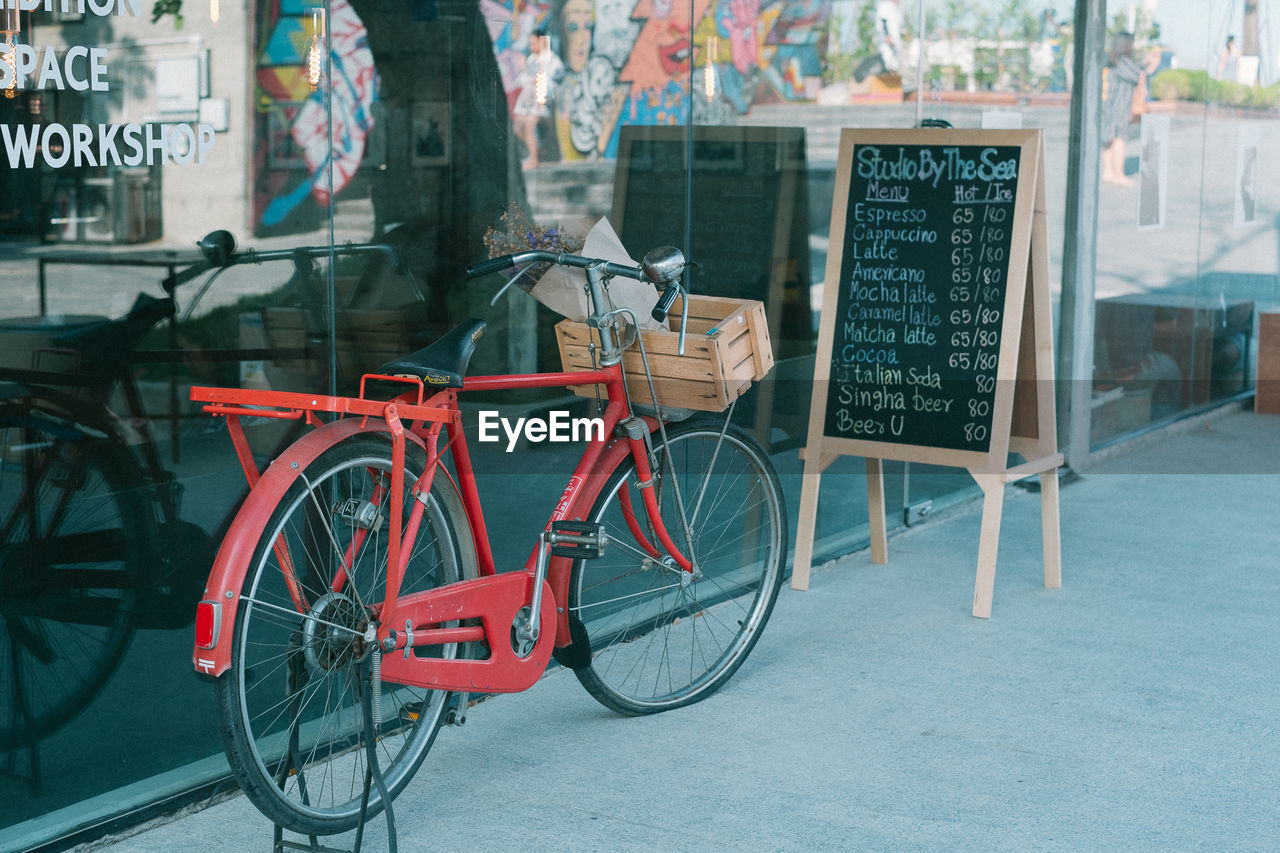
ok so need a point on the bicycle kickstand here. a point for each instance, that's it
(368, 671)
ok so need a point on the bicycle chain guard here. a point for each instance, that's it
(495, 602)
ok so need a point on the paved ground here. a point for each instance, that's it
(1135, 708)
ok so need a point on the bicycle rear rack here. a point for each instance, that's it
(292, 405)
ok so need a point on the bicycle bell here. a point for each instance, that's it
(218, 247)
(663, 265)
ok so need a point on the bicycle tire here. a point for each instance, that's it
(74, 534)
(659, 640)
(292, 676)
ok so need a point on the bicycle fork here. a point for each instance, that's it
(647, 479)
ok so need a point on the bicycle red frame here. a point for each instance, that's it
(426, 418)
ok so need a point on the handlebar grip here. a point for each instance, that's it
(665, 302)
(491, 265)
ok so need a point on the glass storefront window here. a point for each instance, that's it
(1186, 244)
(367, 152)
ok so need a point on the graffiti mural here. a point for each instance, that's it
(660, 61)
(296, 153)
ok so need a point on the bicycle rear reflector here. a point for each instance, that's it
(208, 620)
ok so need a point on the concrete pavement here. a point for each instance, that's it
(1135, 708)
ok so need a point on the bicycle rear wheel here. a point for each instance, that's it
(74, 528)
(659, 637)
(291, 704)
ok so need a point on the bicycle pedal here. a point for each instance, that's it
(577, 540)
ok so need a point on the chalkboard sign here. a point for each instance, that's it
(925, 285)
(935, 341)
(928, 233)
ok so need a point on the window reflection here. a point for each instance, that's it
(392, 125)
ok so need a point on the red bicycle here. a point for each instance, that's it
(364, 548)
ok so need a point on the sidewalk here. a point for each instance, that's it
(1135, 708)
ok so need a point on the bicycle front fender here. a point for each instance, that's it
(216, 612)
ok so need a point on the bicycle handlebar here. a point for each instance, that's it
(562, 258)
(665, 302)
(219, 250)
(662, 267)
(253, 256)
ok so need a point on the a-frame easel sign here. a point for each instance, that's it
(935, 343)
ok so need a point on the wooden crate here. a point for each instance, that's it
(726, 349)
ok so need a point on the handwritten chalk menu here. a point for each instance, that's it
(936, 327)
(918, 315)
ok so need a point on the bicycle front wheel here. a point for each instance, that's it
(291, 704)
(660, 637)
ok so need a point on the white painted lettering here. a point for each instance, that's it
(205, 143)
(107, 143)
(556, 427)
(57, 151)
(84, 145)
(488, 423)
(513, 433)
(133, 137)
(24, 58)
(80, 69)
(22, 144)
(182, 143)
(98, 69)
(49, 72)
(156, 139)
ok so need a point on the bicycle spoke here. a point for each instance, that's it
(340, 559)
(645, 594)
(660, 648)
(693, 516)
(286, 610)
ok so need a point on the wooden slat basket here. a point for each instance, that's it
(726, 349)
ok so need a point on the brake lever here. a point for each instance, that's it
(684, 322)
(510, 281)
(501, 291)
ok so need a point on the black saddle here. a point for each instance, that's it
(441, 364)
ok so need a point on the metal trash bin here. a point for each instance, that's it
(137, 215)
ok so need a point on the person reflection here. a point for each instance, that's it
(538, 79)
(1124, 86)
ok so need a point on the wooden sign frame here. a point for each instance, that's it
(1023, 411)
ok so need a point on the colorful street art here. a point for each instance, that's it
(660, 61)
(294, 157)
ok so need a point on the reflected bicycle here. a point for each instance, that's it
(92, 545)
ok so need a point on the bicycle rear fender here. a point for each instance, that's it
(216, 612)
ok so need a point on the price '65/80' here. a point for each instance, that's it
(980, 361)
